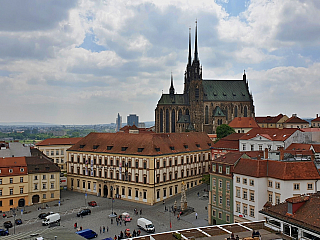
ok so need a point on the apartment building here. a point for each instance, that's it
(295, 122)
(56, 148)
(271, 121)
(144, 168)
(257, 182)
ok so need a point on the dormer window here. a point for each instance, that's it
(157, 149)
(109, 147)
(172, 147)
(21, 169)
(197, 144)
(124, 148)
(10, 170)
(82, 146)
(209, 144)
(185, 146)
(95, 146)
(140, 149)
(289, 207)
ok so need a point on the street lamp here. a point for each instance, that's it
(112, 215)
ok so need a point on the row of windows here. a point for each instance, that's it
(11, 191)
(245, 209)
(214, 199)
(44, 186)
(171, 162)
(220, 169)
(11, 170)
(44, 177)
(219, 215)
(260, 147)
(58, 152)
(245, 194)
(214, 182)
(245, 181)
(11, 180)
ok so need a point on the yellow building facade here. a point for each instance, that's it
(144, 168)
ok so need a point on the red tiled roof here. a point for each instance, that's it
(273, 134)
(229, 158)
(127, 128)
(299, 146)
(233, 136)
(298, 199)
(149, 144)
(310, 129)
(295, 119)
(316, 148)
(59, 141)
(223, 144)
(316, 119)
(307, 215)
(269, 119)
(40, 164)
(296, 170)
(243, 122)
(255, 154)
(14, 163)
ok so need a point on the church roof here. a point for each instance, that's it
(225, 90)
(178, 99)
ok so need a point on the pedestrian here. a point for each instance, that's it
(80, 228)
(75, 225)
(100, 229)
(117, 223)
(196, 215)
(103, 229)
(115, 237)
(140, 211)
(125, 223)
(120, 222)
(107, 229)
(4, 215)
(163, 202)
(111, 221)
(198, 194)
(81, 216)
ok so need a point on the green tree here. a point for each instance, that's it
(206, 179)
(224, 130)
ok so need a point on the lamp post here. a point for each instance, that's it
(112, 215)
(14, 220)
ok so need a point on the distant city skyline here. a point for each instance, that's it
(82, 62)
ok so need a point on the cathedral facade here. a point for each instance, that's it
(204, 104)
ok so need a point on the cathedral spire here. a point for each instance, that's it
(189, 57)
(196, 46)
(171, 90)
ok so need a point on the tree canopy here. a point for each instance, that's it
(224, 130)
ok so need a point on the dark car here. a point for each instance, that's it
(84, 212)
(92, 203)
(7, 224)
(43, 215)
(4, 232)
(18, 221)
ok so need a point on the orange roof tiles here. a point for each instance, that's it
(14, 163)
(317, 119)
(229, 158)
(273, 134)
(143, 144)
(269, 119)
(299, 146)
(59, 141)
(243, 122)
(295, 119)
(316, 148)
(296, 170)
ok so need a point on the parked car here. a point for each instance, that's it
(92, 203)
(43, 215)
(18, 221)
(7, 224)
(4, 232)
(84, 212)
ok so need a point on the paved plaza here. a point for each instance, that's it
(72, 202)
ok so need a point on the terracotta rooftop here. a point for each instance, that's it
(127, 128)
(269, 119)
(316, 147)
(224, 144)
(143, 144)
(273, 134)
(295, 119)
(243, 122)
(14, 163)
(229, 158)
(306, 216)
(39, 164)
(233, 136)
(59, 141)
(317, 119)
(295, 170)
(299, 146)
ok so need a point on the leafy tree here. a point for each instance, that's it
(224, 130)
(206, 179)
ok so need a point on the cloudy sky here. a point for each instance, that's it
(82, 62)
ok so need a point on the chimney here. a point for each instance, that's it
(281, 153)
(266, 153)
(317, 115)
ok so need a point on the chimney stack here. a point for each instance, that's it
(281, 149)
(266, 153)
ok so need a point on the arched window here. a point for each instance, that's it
(167, 121)
(173, 121)
(161, 120)
(226, 113)
(245, 110)
(206, 115)
(179, 114)
(187, 111)
(235, 111)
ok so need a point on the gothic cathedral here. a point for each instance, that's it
(204, 104)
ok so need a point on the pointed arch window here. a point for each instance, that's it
(235, 111)
(179, 114)
(173, 121)
(187, 111)
(206, 115)
(161, 120)
(245, 110)
(226, 113)
(167, 121)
